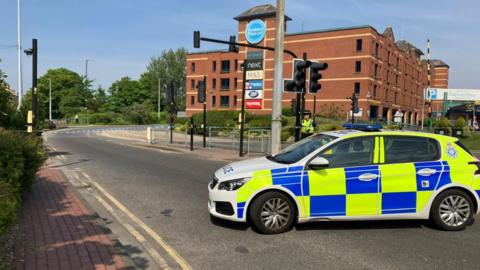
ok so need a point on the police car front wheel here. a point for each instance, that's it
(272, 212)
(452, 210)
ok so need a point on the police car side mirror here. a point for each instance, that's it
(318, 163)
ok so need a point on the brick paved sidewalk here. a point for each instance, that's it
(60, 232)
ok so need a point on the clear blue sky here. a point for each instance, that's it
(122, 35)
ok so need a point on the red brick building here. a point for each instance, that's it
(388, 74)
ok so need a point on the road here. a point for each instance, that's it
(168, 192)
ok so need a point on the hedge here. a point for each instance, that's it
(21, 156)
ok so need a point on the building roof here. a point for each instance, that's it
(438, 63)
(330, 30)
(408, 47)
(211, 51)
(261, 11)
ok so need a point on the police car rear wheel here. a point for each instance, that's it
(272, 213)
(452, 210)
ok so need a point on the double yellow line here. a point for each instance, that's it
(170, 251)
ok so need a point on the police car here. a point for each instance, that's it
(367, 174)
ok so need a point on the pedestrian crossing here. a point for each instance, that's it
(94, 130)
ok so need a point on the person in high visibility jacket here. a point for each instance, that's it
(307, 126)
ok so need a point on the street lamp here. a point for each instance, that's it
(50, 99)
(86, 67)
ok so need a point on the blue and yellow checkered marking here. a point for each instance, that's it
(355, 186)
(339, 192)
(240, 208)
(331, 205)
(289, 178)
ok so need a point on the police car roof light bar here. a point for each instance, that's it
(363, 127)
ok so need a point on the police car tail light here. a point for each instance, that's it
(477, 172)
(233, 184)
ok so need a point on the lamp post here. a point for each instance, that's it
(86, 67)
(50, 99)
(158, 100)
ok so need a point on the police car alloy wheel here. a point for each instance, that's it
(452, 210)
(272, 213)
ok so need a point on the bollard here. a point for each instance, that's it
(149, 135)
(192, 129)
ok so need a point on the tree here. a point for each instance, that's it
(70, 93)
(7, 103)
(123, 93)
(168, 67)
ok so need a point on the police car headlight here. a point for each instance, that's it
(233, 184)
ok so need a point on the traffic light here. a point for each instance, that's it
(201, 90)
(232, 47)
(355, 108)
(300, 75)
(289, 86)
(196, 39)
(170, 94)
(293, 105)
(315, 76)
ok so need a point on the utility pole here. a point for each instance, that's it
(428, 84)
(86, 68)
(33, 52)
(158, 100)
(19, 59)
(50, 99)
(275, 135)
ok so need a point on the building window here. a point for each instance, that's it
(396, 95)
(396, 80)
(225, 101)
(192, 67)
(214, 101)
(359, 45)
(214, 66)
(225, 66)
(357, 88)
(375, 91)
(225, 84)
(192, 100)
(376, 49)
(235, 101)
(358, 66)
(236, 64)
(192, 84)
(235, 83)
(375, 72)
(214, 83)
(398, 62)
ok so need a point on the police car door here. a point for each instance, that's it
(349, 186)
(410, 172)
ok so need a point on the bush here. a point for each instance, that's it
(466, 132)
(460, 123)
(443, 123)
(20, 158)
(138, 114)
(8, 206)
(218, 118)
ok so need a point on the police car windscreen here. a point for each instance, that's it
(299, 150)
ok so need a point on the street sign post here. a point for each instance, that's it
(252, 91)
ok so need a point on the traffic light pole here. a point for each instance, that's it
(204, 124)
(297, 117)
(34, 83)
(246, 45)
(300, 108)
(205, 112)
(242, 113)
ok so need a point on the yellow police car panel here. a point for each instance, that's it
(352, 175)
